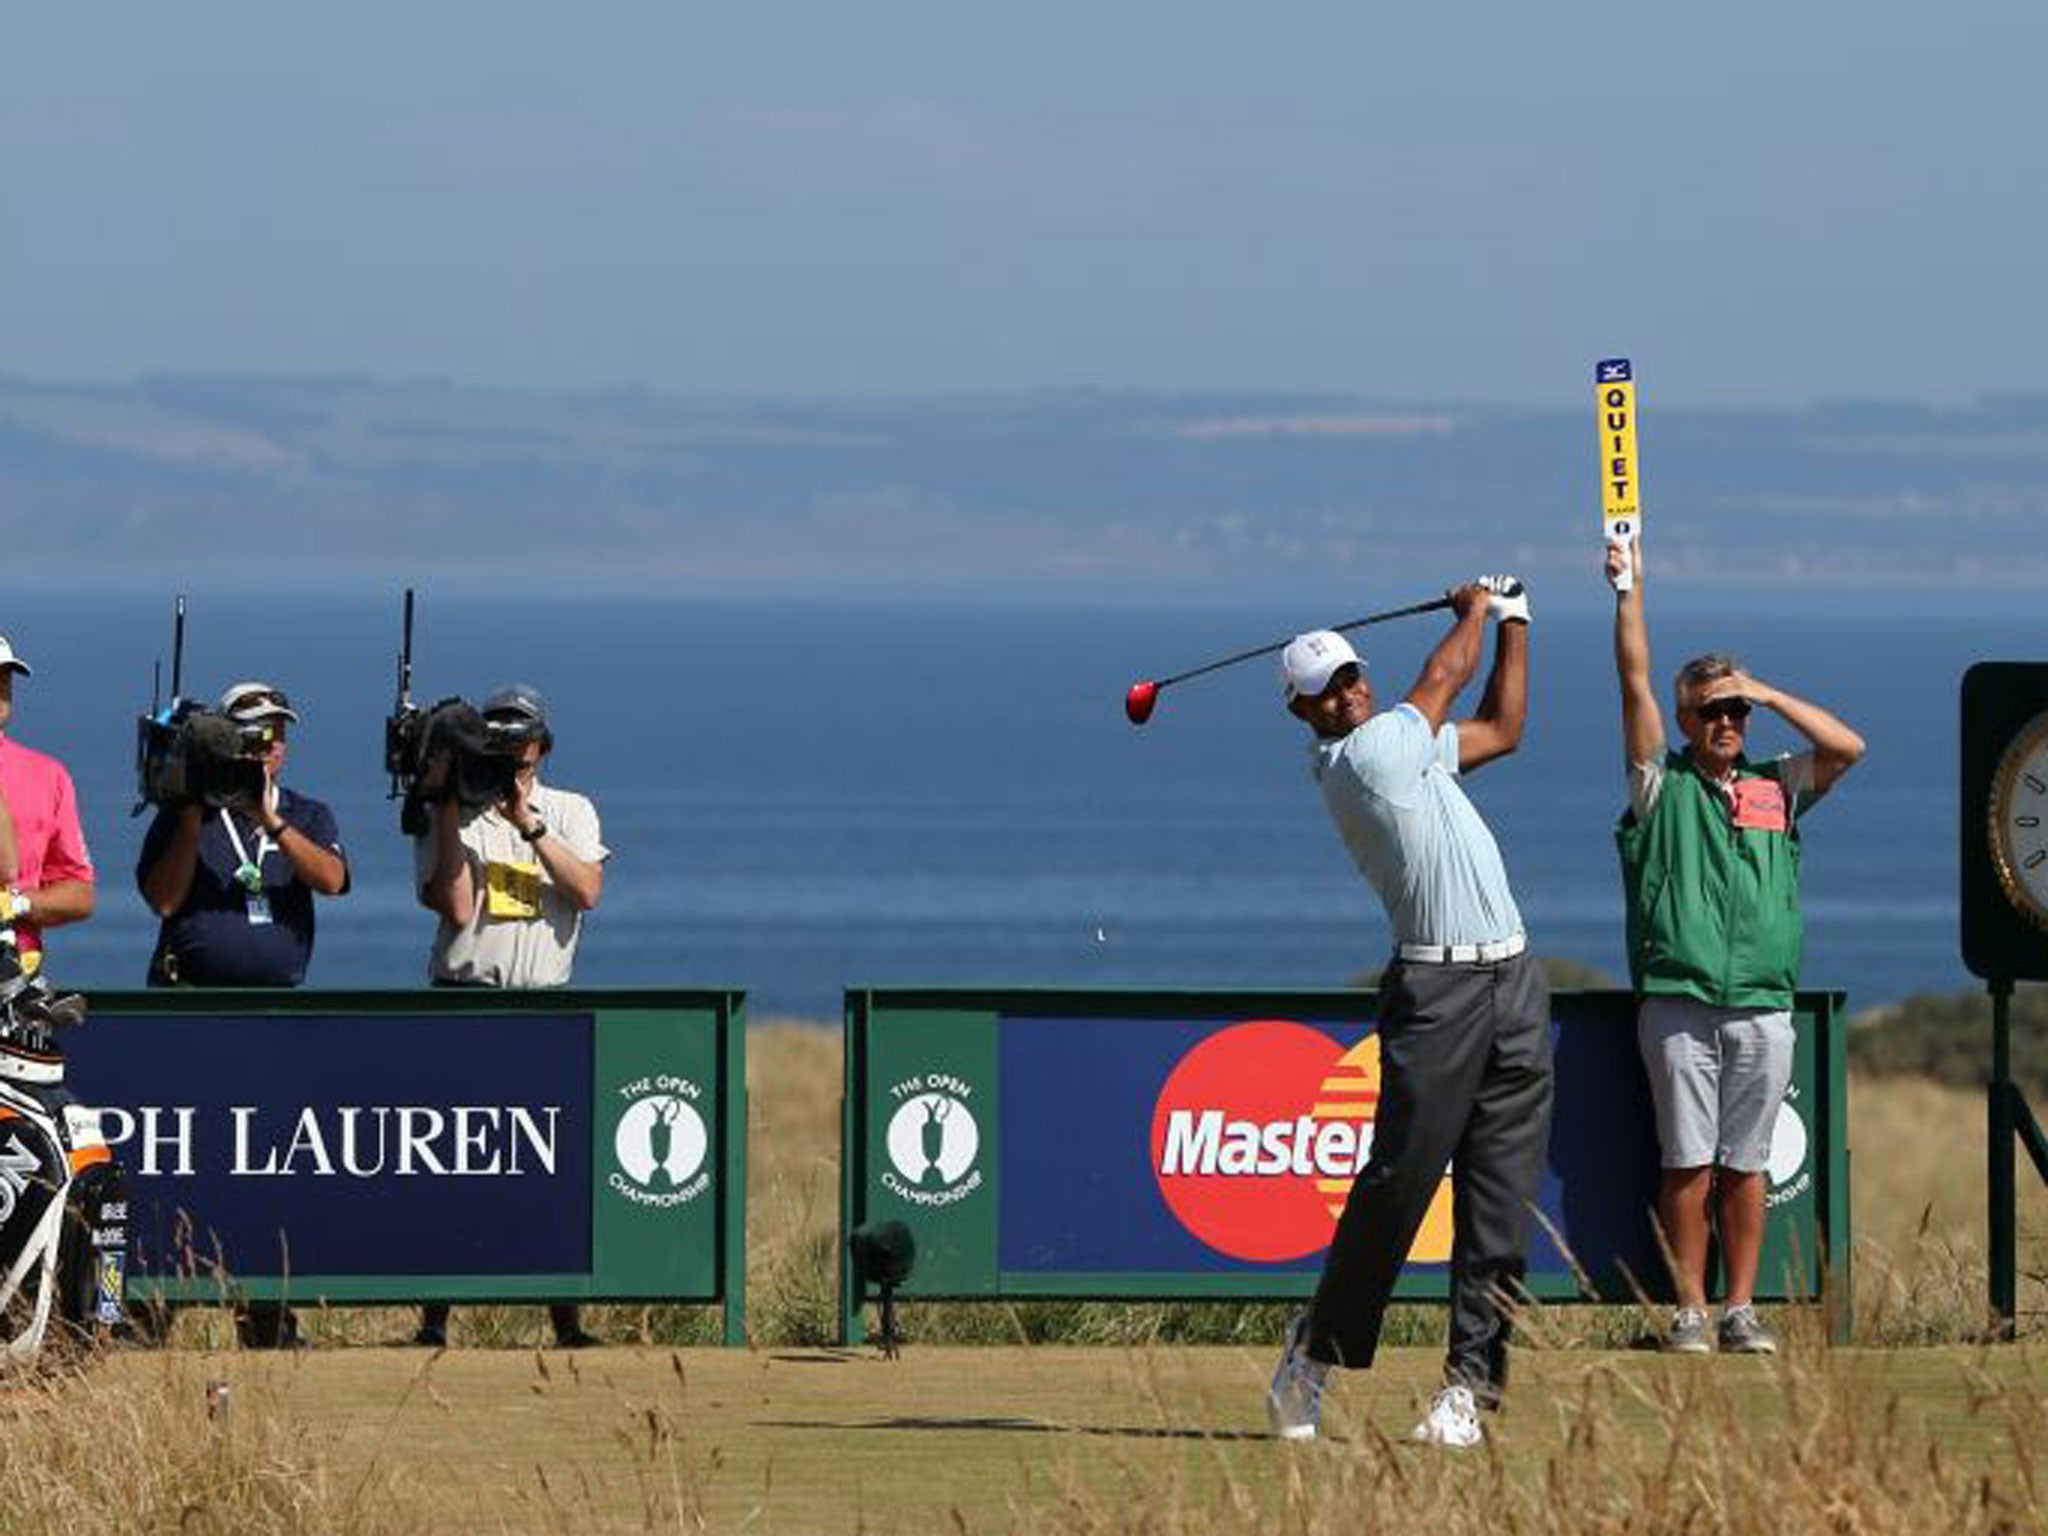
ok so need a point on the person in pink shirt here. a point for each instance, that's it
(44, 863)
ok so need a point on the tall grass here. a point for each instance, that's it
(204, 1444)
(1920, 1217)
(1804, 1445)
(85, 1454)
(1814, 1443)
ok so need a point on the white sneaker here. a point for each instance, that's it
(1453, 1420)
(1294, 1402)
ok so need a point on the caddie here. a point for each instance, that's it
(1710, 869)
(1464, 1023)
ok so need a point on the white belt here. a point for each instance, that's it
(1462, 954)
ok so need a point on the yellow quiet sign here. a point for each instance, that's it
(1614, 406)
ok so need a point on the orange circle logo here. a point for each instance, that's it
(1258, 1134)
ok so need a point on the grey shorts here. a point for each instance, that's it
(1718, 1076)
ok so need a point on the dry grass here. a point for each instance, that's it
(1816, 1442)
(89, 1450)
(992, 1440)
(1917, 1153)
(793, 1082)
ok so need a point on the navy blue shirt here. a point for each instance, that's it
(210, 941)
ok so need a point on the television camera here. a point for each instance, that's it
(187, 751)
(468, 757)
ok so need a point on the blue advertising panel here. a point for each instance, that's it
(1225, 1144)
(273, 1144)
(1204, 1145)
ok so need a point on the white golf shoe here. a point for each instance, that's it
(1294, 1402)
(1453, 1420)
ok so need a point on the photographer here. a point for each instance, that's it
(44, 866)
(235, 885)
(509, 880)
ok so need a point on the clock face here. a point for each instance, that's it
(2019, 820)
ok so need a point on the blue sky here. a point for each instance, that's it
(1767, 203)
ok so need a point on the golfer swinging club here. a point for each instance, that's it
(1464, 1021)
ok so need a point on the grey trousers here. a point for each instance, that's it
(1465, 1081)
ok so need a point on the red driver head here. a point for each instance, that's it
(1139, 701)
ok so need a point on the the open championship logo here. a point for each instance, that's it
(1258, 1133)
(661, 1143)
(1787, 1169)
(933, 1140)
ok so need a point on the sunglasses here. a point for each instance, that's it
(1734, 710)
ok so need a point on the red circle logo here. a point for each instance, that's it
(1258, 1134)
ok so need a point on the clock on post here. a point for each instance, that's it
(2004, 827)
(2004, 822)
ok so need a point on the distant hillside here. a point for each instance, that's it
(1054, 487)
(1948, 1038)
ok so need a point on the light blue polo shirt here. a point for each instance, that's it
(1393, 791)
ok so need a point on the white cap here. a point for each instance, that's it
(1310, 660)
(10, 661)
(250, 703)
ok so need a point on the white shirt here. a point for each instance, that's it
(523, 932)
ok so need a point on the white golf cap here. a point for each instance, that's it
(9, 662)
(1310, 660)
(248, 703)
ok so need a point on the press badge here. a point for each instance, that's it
(1760, 805)
(257, 905)
(512, 890)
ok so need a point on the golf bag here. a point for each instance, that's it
(63, 1207)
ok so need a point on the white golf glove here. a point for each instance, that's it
(1509, 603)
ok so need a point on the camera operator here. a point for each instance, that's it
(235, 886)
(44, 865)
(510, 882)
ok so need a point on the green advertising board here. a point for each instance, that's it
(1199, 1144)
(450, 1144)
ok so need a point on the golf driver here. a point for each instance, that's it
(1144, 697)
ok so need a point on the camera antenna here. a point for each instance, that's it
(405, 656)
(156, 732)
(178, 651)
(398, 729)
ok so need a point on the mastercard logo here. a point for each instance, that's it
(1258, 1134)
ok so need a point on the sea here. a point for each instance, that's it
(808, 793)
